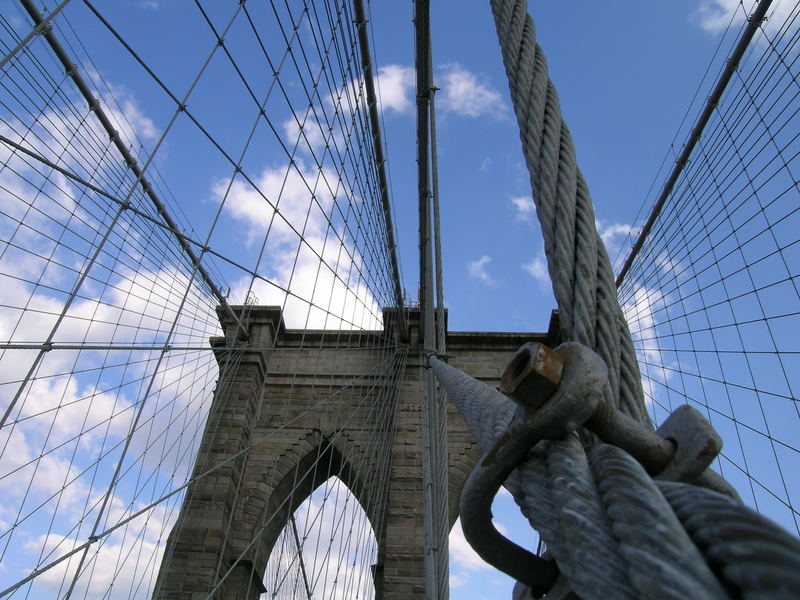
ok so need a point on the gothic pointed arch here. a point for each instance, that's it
(301, 470)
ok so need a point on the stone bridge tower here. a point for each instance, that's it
(240, 509)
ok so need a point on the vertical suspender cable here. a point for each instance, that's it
(583, 282)
(441, 331)
(434, 466)
(442, 514)
(380, 161)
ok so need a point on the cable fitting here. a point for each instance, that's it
(680, 450)
(427, 355)
(556, 392)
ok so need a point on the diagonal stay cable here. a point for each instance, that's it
(753, 26)
(40, 28)
(33, 574)
(130, 161)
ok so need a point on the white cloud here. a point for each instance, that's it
(394, 82)
(63, 439)
(123, 110)
(305, 132)
(644, 310)
(463, 92)
(524, 207)
(394, 85)
(537, 268)
(66, 436)
(296, 192)
(477, 269)
(715, 15)
(457, 579)
(486, 164)
(321, 272)
(317, 126)
(609, 233)
(121, 565)
(670, 266)
(614, 235)
(131, 119)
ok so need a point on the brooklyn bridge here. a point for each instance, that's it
(227, 369)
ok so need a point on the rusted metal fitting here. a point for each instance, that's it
(558, 389)
(681, 450)
(533, 374)
(538, 417)
(576, 397)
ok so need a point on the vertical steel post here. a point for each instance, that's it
(434, 457)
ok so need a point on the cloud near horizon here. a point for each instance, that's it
(537, 268)
(462, 92)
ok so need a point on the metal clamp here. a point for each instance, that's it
(558, 391)
(696, 444)
(580, 380)
(680, 450)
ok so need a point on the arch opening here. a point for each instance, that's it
(327, 549)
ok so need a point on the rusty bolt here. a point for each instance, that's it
(533, 375)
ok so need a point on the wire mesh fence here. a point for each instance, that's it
(712, 297)
(249, 179)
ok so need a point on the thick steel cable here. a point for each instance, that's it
(750, 553)
(572, 532)
(583, 282)
(372, 104)
(584, 287)
(604, 520)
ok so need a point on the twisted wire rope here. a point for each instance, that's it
(616, 535)
(583, 282)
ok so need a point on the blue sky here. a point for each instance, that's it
(626, 71)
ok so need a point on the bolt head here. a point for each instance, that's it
(533, 375)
